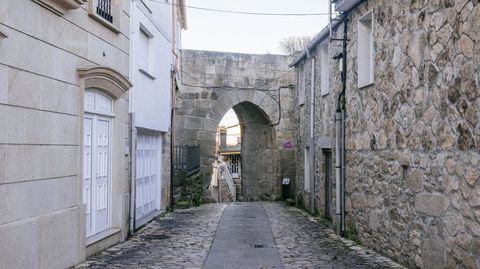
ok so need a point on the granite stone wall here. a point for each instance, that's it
(413, 160)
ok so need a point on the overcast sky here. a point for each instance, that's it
(209, 30)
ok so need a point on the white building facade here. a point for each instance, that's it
(155, 38)
(64, 155)
(67, 149)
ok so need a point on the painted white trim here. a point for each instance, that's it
(324, 68)
(365, 50)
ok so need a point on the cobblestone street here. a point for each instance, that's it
(183, 239)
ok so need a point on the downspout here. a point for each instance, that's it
(173, 104)
(340, 152)
(312, 136)
(133, 170)
(133, 137)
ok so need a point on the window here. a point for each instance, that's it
(324, 69)
(301, 85)
(145, 51)
(106, 12)
(307, 169)
(104, 9)
(365, 50)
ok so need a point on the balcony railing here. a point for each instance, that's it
(104, 9)
(187, 158)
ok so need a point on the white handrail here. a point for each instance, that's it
(225, 175)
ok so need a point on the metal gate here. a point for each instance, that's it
(234, 165)
(147, 179)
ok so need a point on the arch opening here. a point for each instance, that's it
(256, 153)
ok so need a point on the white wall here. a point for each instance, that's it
(150, 98)
(42, 217)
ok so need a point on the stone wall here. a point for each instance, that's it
(166, 168)
(187, 189)
(212, 83)
(413, 136)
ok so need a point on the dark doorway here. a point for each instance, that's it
(327, 154)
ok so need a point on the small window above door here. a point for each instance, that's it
(98, 103)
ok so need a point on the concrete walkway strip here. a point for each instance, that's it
(244, 239)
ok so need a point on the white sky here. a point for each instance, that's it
(209, 30)
(229, 119)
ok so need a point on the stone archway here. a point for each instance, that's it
(256, 111)
(257, 88)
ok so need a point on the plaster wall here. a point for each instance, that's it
(151, 94)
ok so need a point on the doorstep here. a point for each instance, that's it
(103, 240)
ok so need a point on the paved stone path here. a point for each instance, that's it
(243, 240)
(183, 239)
(304, 243)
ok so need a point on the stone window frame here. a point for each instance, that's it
(324, 68)
(301, 84)
(366, 50)
(307, 169)
(149, 68)
(60, 7)
(116, 13)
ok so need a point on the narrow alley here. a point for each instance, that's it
(237, 235)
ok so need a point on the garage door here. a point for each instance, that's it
(148, 171)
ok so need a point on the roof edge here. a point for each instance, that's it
(317, 39)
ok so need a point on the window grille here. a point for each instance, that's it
(187, 158)
(104, 9)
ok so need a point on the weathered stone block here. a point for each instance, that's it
(194, 123)
(415, 180)
(432, 204)
(433, 253)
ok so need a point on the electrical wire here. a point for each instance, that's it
(241, 12)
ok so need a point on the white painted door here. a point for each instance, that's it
(96, 173)
(102, 172)
(87, 171)
(97, 124)
(147, 179)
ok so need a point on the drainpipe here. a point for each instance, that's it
(312, 140)
(340, 152)
(133, 136)
(133, 170)
(173, 103)
(338, 170)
